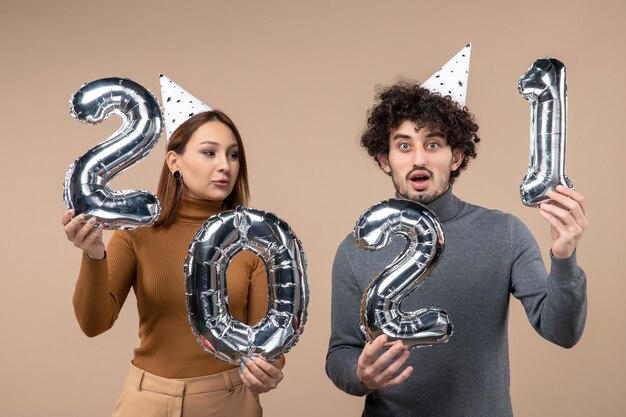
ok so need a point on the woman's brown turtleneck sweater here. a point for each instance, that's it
(151, 262)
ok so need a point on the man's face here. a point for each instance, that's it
(419, 162)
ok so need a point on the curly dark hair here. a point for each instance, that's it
(408, 101)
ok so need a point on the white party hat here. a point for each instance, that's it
(178, 105)
(451, 79)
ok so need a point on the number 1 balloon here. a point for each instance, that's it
(86, 187)
(544, 86)
(219, 239)
(381, 304)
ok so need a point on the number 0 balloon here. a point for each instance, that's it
(544, 86)
(86, 188)
(381, 304)
(216, 243)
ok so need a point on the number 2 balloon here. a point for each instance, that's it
(381, 311)
(86, 187)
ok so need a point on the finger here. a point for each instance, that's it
(581, 218)
(570, 192)
(85, 230)
(561, 201)
(395, 364)
(252, 381)
(373, 371)
(267, 367)
(574, 221)
(385, 374)
(567, 233)
(370, 350)
(557, 211)
(74, 225)
(67, 216)
(93, 235)
(259, 373)
(403, 376)
(555, 216)
(389, 356)
(572, 196)
(245, 378)
(565, 208)
(564, 200)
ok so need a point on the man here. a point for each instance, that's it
(423, 141)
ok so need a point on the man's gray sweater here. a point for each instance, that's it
(488, 255)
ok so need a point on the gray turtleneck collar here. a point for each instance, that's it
(446, 207)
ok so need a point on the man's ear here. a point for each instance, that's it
(170, 159)
(457, 159)
(383, 160)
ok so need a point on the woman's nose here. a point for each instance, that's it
(223, 164)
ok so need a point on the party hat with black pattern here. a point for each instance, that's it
(178, 105)
(451, 79)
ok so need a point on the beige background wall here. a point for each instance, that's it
(298, 77)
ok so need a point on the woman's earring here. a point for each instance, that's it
(177, 175)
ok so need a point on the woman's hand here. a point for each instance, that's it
(84, 233)
(259, 375)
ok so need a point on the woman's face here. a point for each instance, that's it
(209, 166)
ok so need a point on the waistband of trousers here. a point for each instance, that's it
(143, 380)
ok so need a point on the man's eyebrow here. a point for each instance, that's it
(400, 136)
(434, 134)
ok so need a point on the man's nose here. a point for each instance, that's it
(419, 158)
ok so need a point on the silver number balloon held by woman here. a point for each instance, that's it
(543, 85)
(86, 188)
(216, 243)
(381, 311)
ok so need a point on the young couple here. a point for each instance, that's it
(422, 136)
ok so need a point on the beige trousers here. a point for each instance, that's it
(223, 394)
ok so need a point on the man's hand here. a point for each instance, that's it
(567, 215)
(379, 372)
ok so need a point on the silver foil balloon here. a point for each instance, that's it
(86, 187)
(544, 86)
(219, 239)
(381, 311)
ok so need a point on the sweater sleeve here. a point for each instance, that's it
(555, 302)
(346, 340)
(103, 285)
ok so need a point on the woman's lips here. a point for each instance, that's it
(221, 183)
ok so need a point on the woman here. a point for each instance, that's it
(204, 173)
